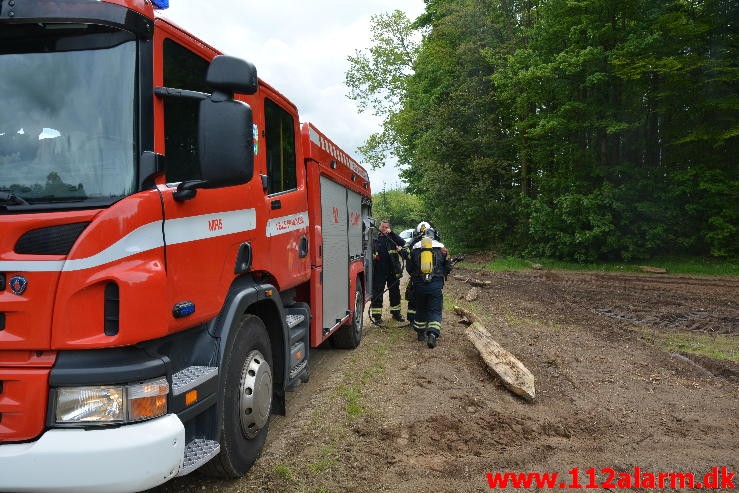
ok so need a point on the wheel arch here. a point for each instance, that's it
(356, 274)
(246, 296)
(271, 314)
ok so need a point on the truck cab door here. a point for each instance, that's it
(286, 198)
(203, 233)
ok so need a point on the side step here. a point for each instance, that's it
(297, 319)
(297, 332)
(294, 372)
(198, 452)
(192, 376)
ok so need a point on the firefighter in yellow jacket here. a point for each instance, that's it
(428, 267)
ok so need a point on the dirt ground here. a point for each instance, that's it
(395, 416)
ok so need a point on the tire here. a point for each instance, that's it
(246, 399)
(349, 336)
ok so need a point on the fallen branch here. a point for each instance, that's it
(514, 375)
(472, 281)
(653, 270)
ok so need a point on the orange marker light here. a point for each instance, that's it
(147, 400)
(147, 407)
(191, 397)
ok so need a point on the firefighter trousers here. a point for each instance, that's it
(429, 301)
(380, 279)
(411, 302)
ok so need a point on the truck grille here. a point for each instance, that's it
(52, 240)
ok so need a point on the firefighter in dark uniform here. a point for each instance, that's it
(417, 235)
(387, 270)
(428, 267)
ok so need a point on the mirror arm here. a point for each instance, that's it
(187, 190)
(219, 96)
(171, 92)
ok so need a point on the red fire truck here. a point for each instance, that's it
(173, 243)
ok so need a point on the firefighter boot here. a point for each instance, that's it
(398, 317)
(431, 340)
(432, 333)
(376, 313)
(420, 328)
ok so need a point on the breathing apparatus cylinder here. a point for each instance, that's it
(427, 256)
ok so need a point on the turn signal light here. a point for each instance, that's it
(147, 400)
(110, 404)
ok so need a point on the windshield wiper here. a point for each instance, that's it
(53, 199)
(8, 197)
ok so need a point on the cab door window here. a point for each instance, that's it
(280, 142)
(183, 69)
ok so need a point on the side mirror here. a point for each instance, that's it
(225, 134)
(230, 74)
(225, 143)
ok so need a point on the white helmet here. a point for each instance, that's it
(422, 227)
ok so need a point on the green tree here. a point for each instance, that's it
(452, 131)
(377, 78)
(403, 210)
(574, 129)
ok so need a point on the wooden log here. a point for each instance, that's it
(472, 294)
(653, 270)
(514, 375)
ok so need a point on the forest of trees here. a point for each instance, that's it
(403, 210)
(572, 129)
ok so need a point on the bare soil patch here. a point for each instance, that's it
(394, 415)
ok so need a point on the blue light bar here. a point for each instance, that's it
(160, 4)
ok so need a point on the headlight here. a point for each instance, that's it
(112, 404)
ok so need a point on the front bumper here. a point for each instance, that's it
(129, 458)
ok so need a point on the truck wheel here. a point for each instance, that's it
(349, 336)
(247, 399)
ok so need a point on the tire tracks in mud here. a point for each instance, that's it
(696, 304)
(694, 321)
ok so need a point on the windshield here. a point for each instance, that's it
(67, 123)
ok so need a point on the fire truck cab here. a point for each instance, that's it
(173, 243)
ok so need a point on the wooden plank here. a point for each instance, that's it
(514, 375)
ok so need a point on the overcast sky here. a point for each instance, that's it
(301, 49)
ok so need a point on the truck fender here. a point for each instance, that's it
(263, 300)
